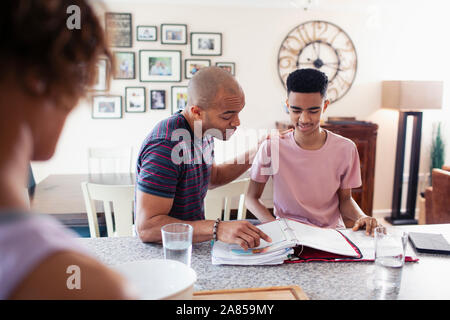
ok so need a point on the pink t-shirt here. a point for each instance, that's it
(305, 182)
(26, 240)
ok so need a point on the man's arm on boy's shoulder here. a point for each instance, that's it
(254, 204)
(350, 209)
(227, 172)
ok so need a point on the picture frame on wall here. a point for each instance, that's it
(118, 29)
(135, 99)
(106, 107)
(227, 66)
(193, 65)
(158, 99)
(125, 65)
(174, 34)
(206, 44)
(101, 76)
(146, 33)
(179, 98)
(160, 65)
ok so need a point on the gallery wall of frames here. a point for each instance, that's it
(151, 66)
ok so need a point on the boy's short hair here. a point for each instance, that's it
(307, 81)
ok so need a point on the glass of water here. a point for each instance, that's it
(390, 247)
(177, 242)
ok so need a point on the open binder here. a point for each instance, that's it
(294, 242)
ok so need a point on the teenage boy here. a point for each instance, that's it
(316, 169)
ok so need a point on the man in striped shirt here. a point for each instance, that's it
(176, 165)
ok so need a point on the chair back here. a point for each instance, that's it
(110, 160)
(220, 198)
(121, 197)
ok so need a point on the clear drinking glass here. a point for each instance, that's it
(177, 242)
(390, 247)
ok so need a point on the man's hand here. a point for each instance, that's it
(369, 223)
(279, 134)
(242, 233)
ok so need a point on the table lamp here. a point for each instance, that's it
(410, 98)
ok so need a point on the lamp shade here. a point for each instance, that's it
(412, 95)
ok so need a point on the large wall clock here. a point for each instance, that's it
(324, 46)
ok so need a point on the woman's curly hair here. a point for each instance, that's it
(35, 38)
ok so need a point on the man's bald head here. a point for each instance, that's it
(210, 86)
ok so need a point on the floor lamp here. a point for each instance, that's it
(410, 98)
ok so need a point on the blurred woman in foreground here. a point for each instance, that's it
(46, 69)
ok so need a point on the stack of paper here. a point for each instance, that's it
(317, 244)
(224, 253)
(365, 243)
(285, 234)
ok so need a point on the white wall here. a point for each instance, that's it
(394, 40)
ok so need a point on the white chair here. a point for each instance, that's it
(220, 198)
(110, 160)
(122, 198)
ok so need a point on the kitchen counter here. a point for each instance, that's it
(429, 278)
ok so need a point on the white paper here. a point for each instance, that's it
(324, 239)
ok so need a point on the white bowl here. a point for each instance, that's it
(159, 279)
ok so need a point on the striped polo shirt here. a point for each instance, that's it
(172, 163)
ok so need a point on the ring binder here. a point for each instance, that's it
(294, 242)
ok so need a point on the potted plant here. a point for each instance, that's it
(437, 150)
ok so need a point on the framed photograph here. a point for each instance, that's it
(157, 99)
(160, 65)
(179, 98)
(124, 65)
(135, 99)
(227, 66)
(118, 29)
(146, 33)
(106, 107)
(173, 34)
(206, 44)
(101, 76)
(193, 65)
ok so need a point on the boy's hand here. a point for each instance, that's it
(369, 223)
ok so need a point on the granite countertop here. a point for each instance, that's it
(427, 279)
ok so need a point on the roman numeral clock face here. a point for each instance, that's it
(325, 47)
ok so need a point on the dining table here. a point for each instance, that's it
(60, 196)
(428, 278)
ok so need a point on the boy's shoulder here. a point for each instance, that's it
(340, 142)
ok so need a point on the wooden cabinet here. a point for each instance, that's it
(364, 135)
